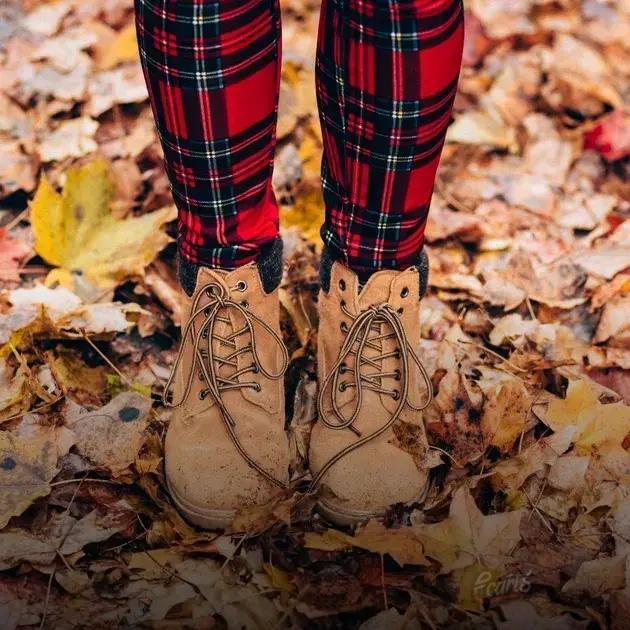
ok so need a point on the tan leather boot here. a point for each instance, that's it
(226, 447)
(369, 444)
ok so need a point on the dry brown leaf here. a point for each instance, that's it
(506, 408)
(62, 535)
(111, 437)
(27, 465)
(401, 543)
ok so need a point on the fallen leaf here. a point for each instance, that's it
(115, 87)
(111, 437)
(401, 543)
(599, 427)
(13, 252)
(62, 535)
(73, 138)
(482, 127)
(17, 169)
(467, 536)
(27, 465)
(610, 137)
(86, 385)
(76, 232)
(614, 325)
(505, 410)
(121, 49)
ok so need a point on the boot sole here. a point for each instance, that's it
(206, 519)
(349, 518)
(345, 518)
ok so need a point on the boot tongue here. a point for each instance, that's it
(377, 289)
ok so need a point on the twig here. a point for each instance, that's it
(492, 352)
(11, 224)
(48, 590)
(106, 359)
(536, 509)
(34, 410)
(244, 537)
(441, 450)
(385, 600)
(88, 479)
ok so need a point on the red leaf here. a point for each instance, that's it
(610, 137)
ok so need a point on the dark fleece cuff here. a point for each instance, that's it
(269, 264)
(328, 258)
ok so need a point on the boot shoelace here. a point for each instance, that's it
(209, 362)
(366, 332)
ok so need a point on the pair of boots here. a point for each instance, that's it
(226, 446)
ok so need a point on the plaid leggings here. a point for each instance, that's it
(387, 73)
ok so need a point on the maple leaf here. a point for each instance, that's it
(401, 543)
(506, 407)
(76, 232)
(467, 536)
(597, 427)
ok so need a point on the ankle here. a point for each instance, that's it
(269, 263)
(330, 256)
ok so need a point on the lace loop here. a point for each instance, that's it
(366, 332)
(206, 363)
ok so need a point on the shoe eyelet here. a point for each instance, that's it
(344, 327)
(245, 304)
(257, 387)
(342, 284)
(343, 302)
(396, 394)
(241, 286)
(405, 292)
(204, 333)
(397, 376)
(255, 368)
(342, 386)
(201, 376)
(202, 394)
(210, 292)
(400, 311)
(206, 312)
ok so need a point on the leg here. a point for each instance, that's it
(387, 74)
(212, 69)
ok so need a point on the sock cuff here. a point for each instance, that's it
(269, 263)
(328, 258)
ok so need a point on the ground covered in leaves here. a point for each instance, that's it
(526, 333)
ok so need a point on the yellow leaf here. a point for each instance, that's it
(307, 215)
(279, 578)
(600, 427)
(123, 48)
(401, 544)
(75, 230)
(505, 409)
(468, 536)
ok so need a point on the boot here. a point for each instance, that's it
(369, 445)
(226, 447)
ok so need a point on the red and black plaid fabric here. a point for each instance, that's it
(387, 74)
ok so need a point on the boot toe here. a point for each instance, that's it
(365, 482)
(206, 478)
